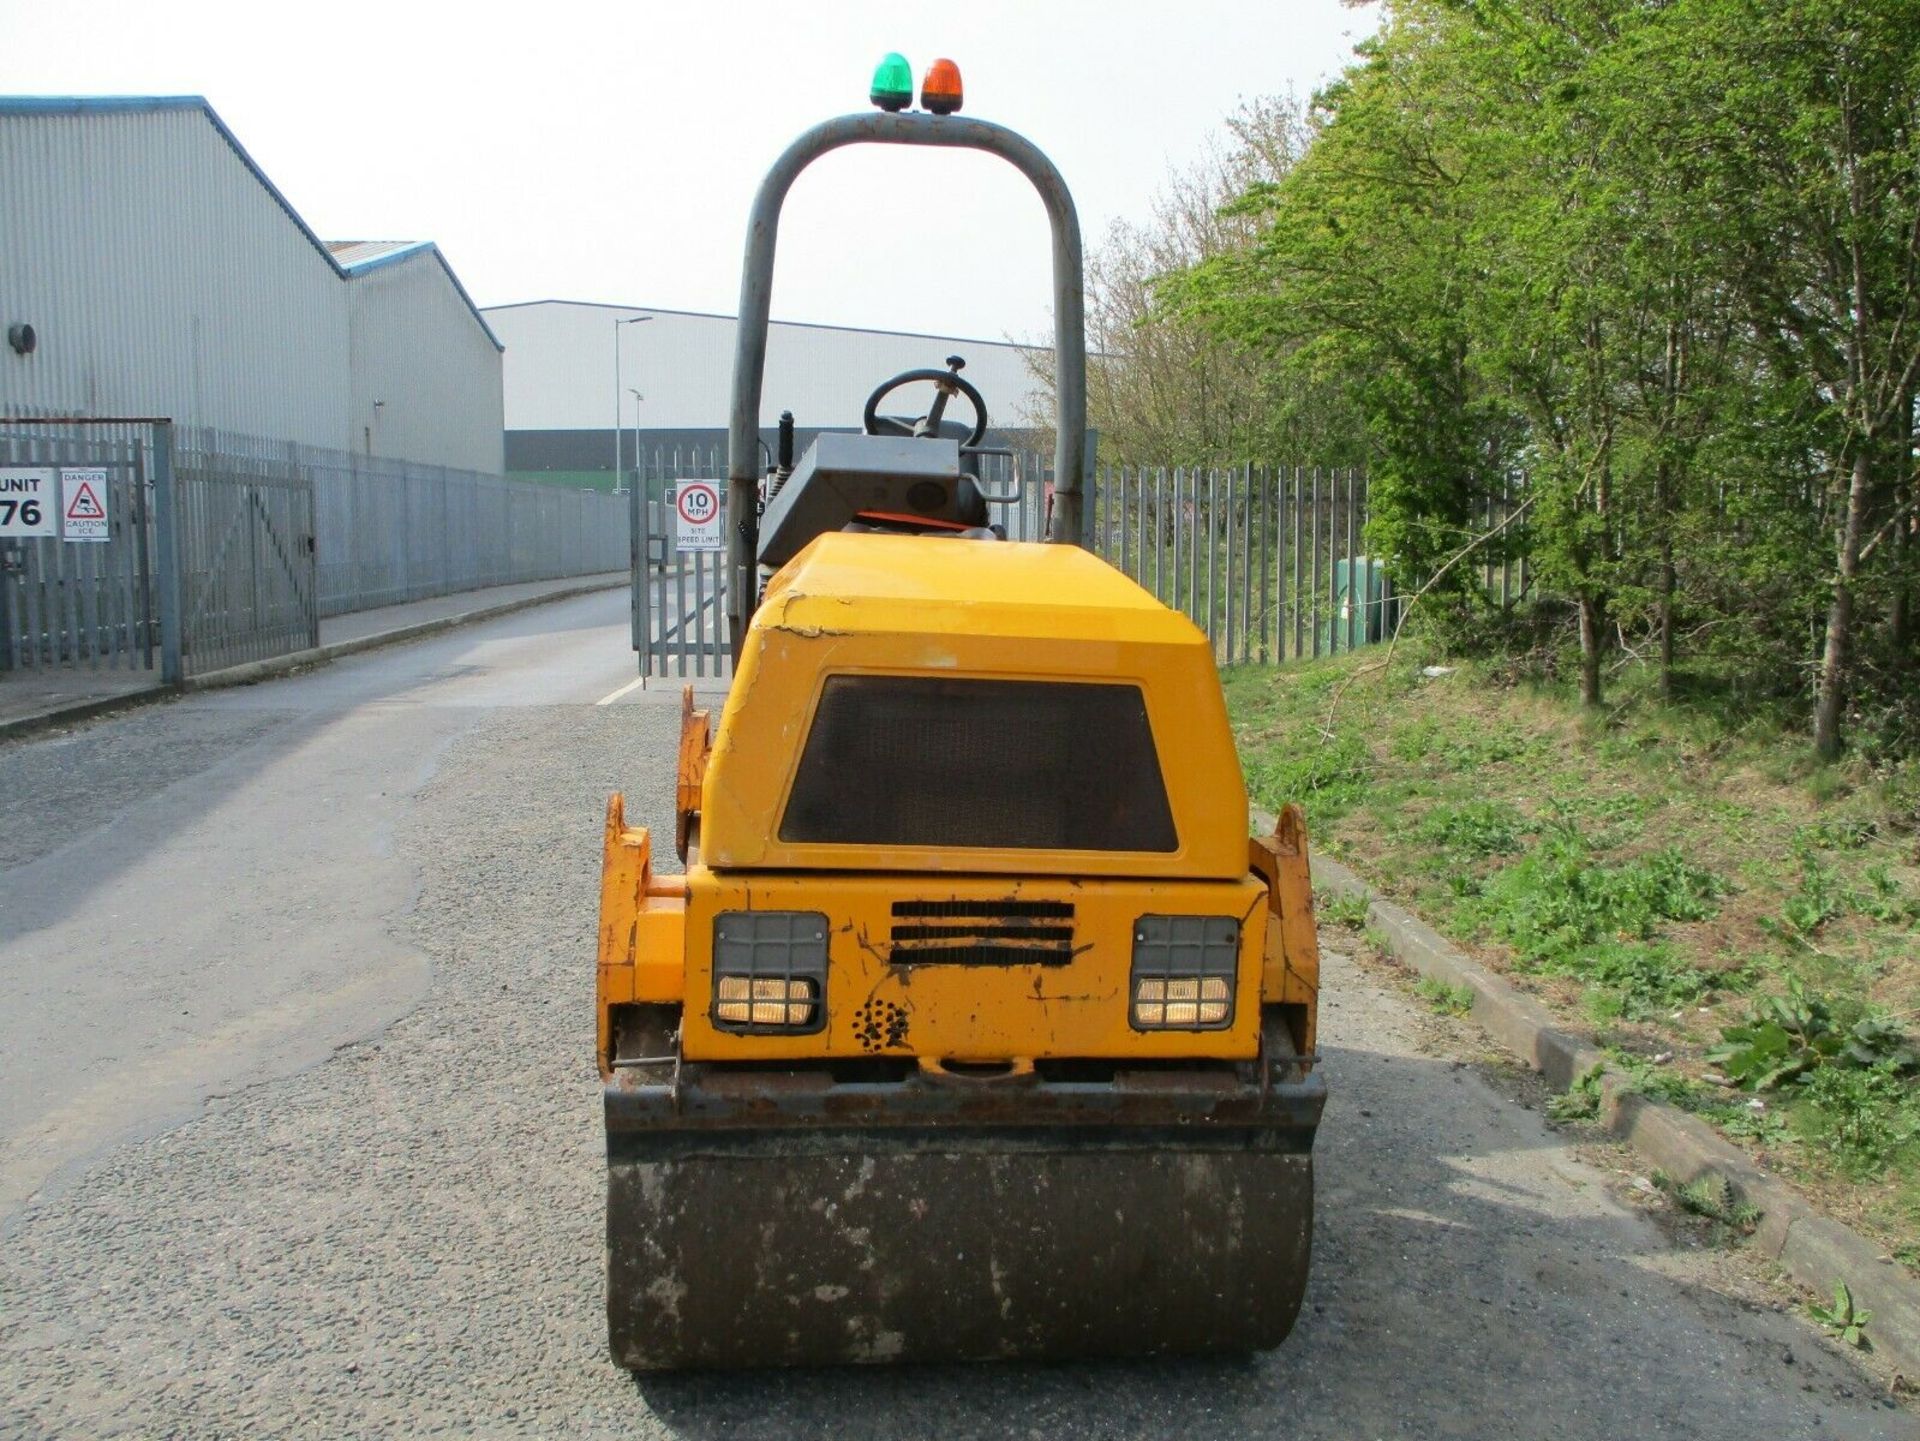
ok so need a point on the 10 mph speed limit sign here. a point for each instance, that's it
(696, 515)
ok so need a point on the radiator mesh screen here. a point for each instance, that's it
(1026, 765)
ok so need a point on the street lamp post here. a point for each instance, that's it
(629, 320)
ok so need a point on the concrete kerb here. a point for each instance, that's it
(254, 671)
(1815, 1250)
(21, 726)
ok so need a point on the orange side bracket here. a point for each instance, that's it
(642, 923)
(696, 742)
(1292, 972)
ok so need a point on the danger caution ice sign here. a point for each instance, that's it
(83, 505)
(696, 515)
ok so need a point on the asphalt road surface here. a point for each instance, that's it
(299, 1132)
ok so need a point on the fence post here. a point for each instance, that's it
(1087, 541)
(639, 561)
(167, 563)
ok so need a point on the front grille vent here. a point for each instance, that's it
(982, 933)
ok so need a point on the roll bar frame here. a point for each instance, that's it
(756, 300)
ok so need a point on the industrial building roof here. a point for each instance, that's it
(385, 252)
(794, 324)
(360, 254)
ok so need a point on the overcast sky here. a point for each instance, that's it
(592, 151)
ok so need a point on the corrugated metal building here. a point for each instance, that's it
(560, 379)
(162, 273)
(425, 370)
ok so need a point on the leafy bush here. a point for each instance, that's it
(1568, 913)
(1818, 900)
(1851, 1084)
(1661, 1082)
(1606, 820)
(1864, 1118)
(1900, 792)
(1463, 747)
(1883, 900)
(1412, 741)
(1822, 897)
(1842, 1320)
(1644, 978)
(1738, 1118)
(1559, 901)
(1784, 1038)
(1581, 1100)
(1710, 1196)
(1841, 833)
(1341, 910)
(1325, 778)
(1446, 999)
(1473, 829)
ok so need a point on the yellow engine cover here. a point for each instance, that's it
(852, 605)
(879, 1005)
(893, 889)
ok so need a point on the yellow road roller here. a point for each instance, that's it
(976, 1027)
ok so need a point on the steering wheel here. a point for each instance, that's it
(948, 384)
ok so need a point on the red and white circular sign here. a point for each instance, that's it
(698, 501)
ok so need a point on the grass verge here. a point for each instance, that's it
(1739, 927)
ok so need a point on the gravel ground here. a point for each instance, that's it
(87, 774)
(405, 1239)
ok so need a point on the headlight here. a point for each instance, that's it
(747, 1002)
(769, 971)
(1183, 972)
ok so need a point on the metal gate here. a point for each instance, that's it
(68, 602)
(679, 596)
(246, 542)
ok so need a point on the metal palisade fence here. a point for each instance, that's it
(88, 603)
(220, 549)
(391, 531)
(679, 608)
(243, 521)
(1271, 562)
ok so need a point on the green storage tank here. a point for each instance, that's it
(1365, 609)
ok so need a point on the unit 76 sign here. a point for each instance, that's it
(29, 503)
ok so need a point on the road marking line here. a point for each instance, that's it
(633, 684)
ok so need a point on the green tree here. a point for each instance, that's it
(1663, 259)
(1805, 118)
(1360, 279)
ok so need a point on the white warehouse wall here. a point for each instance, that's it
(165, 276)
(162, 279)
(426, 378)
(560, 368)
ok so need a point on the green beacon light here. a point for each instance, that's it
(893, 84)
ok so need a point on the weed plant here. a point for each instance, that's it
(1445, 999)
